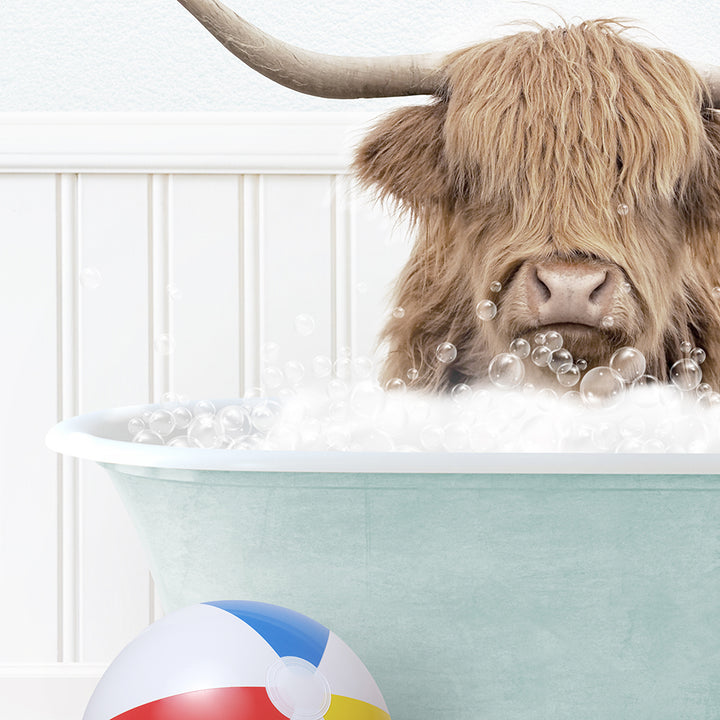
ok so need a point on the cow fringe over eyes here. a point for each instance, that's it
(525, 156)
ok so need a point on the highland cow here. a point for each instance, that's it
(575, 167)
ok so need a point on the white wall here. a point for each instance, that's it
(138, 55)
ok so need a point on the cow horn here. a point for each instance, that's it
(313, 73)
(711, 77)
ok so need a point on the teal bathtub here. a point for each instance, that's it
(473, 586)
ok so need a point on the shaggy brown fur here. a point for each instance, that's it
(525, 158)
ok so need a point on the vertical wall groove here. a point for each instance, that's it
(251, 316)
(68, 402)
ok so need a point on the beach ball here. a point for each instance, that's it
(236, 660)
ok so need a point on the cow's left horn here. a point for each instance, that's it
(711, 76)
(313, 73)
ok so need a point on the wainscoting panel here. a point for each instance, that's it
(140, 255)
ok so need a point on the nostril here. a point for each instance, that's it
(542, 289)
(597, 295)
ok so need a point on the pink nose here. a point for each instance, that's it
(561, 292)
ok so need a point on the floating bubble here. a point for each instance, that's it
(148, 437)
(174, 292)
(90, 278)
(337, 389)
(203, 407)
(461, 393)
(626, 287)
(709, 401)
(367, 399)
(164, 344)
(272, 376)
(623, 209)
(162, 422)
(629, 363)
(553, 340)
(541, 355)
(539, 338)
(520, 347)
(703, 389)
(546, 399)
(446, 352)
(685, 347)
(506, 371)
(183, 417)
(698, 355)
(646, 391)
(395, 385)
(362, 367)
(607, 321)
(271, 352)
(398, 312)
(568, 375)
(264, 415)
(322, 366)
(304, 324)
(234, 421)
(135, 425)
(686, 374)
(413, 374)
(204, 433)
(582, 364)
(343, 367)
(486, 310)
(496, 286)
(558, 358)
(716, 292)
(602, 387)
(294, 371)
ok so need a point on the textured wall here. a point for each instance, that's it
(150, 55)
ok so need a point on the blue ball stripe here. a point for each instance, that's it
(286, 631)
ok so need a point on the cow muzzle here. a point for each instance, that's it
(559, 292)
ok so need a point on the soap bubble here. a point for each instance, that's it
(204, 433)
(716, 292)
(322, 366)
(203, 407)
(164, 344)
(234, 421)
(398, 312)
(558, 358)
(338, 411)
(703, 389)
(135, 425)
(174, 293)
(162, 422)
(646, 391)
(181, 441)
(304, 324)
(413, 374)
(343, 367)
(183, 417)
(607, 321)
(623, 209)
(496, 286)
(685, 346)
(541, 355)
(272, 377)
(698, 355)
(626, 287)
(486, 310)
(506, 371)
(337, 389)
(686, 374)
(520, 347)
(367, 399)
(582, 364)
(553, 340)
(294, 372)
(264, 415)
(539, 338)
(271, 352)
(148, 437)
(568, 375)
(362, 367)
(629, 363)
(395, 385)
(602, 387)
(90, 278)
(432, 437)
(446, 352)
(461, 393)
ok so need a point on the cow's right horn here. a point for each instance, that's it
(313, 73)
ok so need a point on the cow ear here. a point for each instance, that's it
(403, 157)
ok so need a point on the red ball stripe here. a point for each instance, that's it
(232, 703)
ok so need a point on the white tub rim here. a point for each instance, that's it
(90, 437)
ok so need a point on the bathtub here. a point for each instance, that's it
(473, 586)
